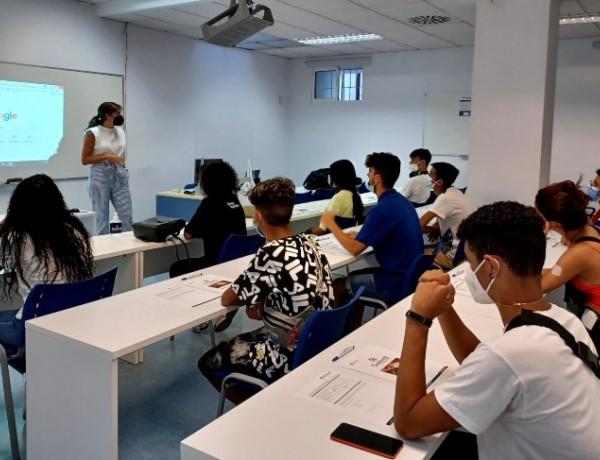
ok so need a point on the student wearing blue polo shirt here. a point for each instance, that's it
(392, 228)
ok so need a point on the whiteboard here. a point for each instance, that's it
(83, 93)
(447, 123)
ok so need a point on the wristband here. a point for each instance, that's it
(419, 318)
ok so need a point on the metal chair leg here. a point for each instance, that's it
(10, 408)
(211, 327)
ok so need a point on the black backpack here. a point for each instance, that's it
(319, 178)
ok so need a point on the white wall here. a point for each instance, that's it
(173, 84)
(392, 114)
(576, 136)
(389, 119)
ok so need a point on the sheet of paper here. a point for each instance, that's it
(329, 244)
(380, 363)
(187, 295)
(352, 394)
(208, 282)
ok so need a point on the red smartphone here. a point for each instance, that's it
(370, 441)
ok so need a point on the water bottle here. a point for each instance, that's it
(115, 225)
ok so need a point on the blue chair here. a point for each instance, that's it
(322, 194)
(362, 188)
(430, 200)
(459, 256)
(44, 299)
(304, 197)
(237, 246)
(322, 329)
(420, 265)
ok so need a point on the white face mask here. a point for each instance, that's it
(413, 167)
(479, 294)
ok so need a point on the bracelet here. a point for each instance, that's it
(419, 318)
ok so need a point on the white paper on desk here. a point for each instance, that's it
(380, 363)
(187, 295)
(208, 282)
(351, 394)
(330, 244)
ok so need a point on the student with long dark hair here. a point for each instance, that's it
(346, 202)
(104, 149)
(40, 242)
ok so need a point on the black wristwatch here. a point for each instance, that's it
(419, 318)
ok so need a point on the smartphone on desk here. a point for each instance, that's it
(370, 441)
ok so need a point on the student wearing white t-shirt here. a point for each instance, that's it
(418, 188)
(450, 208)
(525, 394)
(104, 149)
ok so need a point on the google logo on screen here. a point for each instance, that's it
(7, 116)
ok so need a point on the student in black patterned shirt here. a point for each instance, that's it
(289, 274)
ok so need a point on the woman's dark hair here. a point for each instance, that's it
(511, 230)
(344, 177)
(37, 215)
(219, 179)
(563, 202)
(274, 198)
(106, 108)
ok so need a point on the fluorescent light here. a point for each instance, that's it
(334, 40)
(579, 18)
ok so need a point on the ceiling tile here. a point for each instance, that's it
(156, 24)
(386, 46)
(174, 16)
(460, 9)
(460, 33)
(283, 52)
(579, 31)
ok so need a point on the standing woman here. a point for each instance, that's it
(103, 148)
(40, 242)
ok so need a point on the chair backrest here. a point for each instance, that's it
(304, 197)
(421, 264)
(236, 246)
(362, 188)
(345, 222)
(322, 329)
(189, 186)
(44, 299)
(322, 194)
(459, 256)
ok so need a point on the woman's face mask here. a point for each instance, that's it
(592, 192)
(480, 295)
(413, 167)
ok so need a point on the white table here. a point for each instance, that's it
(276, 423)
(72, 387)
(260, 426)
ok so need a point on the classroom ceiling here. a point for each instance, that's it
(317, 18)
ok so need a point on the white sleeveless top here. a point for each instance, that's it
(108, 140)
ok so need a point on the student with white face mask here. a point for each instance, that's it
(524, 393)
(418, 188)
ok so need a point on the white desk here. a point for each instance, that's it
(72, 388)
(260, 426)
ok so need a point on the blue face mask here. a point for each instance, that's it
(592, 193)
(256, 229)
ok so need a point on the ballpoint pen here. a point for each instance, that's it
(431, 382)
(343, 353)
(195, 275)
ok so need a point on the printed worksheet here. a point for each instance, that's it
(351, 394)
(381, 363)
(208, 282)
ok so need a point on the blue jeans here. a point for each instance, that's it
(366, 277)
(10, 331)
(109, 183)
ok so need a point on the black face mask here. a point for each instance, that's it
(118, 120)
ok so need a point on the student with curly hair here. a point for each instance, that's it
(40, 242)
(563, 207)
(288, 276)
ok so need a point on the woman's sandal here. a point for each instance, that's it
(225, 322)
